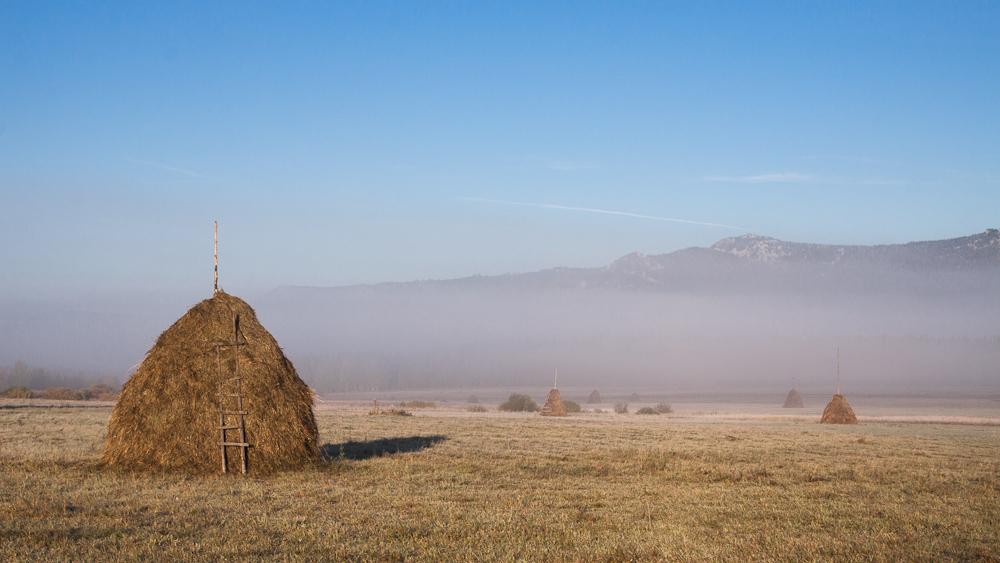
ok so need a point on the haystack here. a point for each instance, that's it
(633, 398)
(167, 417)
(837, 411)
(554, 405)
(595, 398)
(793, 400)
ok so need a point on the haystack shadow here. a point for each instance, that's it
(378, 448)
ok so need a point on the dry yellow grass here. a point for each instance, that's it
(459, 486)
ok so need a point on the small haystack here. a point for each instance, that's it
(633, 398)
(837, 411)
(473, 400)
(793, 400)
(168, 415)
(554, 405)
(595, 398)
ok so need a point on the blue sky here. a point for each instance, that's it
(341, 143)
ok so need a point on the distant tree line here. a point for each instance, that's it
(38, 378)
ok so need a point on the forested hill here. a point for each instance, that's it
(749, 262)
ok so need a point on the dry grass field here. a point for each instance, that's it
(703, 484)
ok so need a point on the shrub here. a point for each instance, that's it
(518, 402)
(418, 404)
(621, 408)
(647, 410)
(61, 394)
(100, 392)
(476, 408)
(571, 406)
(391, 411)
(664, 408)
(377, 410)
(17, 393)
(598, 411)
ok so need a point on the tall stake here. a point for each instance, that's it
(555, 384)
(216, 256)
(838, 370)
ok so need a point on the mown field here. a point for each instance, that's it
(445, 485)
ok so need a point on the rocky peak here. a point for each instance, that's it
(754, 247)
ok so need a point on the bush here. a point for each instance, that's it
(61, 394)
(621, 408)
(17, 393)
(664, 408)
(571, 406)
(476, 408)
(518, 402)
(598, 411)
(100, 392)
(647, 410)
(418, 404)
(391, 411)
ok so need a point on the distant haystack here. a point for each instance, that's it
(473, 400)
(595, 398)
(793, 400)
(837, 411)
(168, 415)
(633, 398)
(554, 405)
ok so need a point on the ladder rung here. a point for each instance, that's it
(228, 394)
(232, 412)
(241, 444)
(228, 380)
(233, 427)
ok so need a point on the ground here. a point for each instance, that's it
(725, 482)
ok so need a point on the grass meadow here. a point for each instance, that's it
(451, 485)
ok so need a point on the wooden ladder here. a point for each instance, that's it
(231, 411)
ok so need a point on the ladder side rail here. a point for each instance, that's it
(239, 394)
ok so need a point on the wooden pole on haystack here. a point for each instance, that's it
(838, 370)
(216, 256)
(555, 384)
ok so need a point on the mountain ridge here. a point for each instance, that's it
(750, 262)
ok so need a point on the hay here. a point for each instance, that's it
(633, 398)
(554, 405)
(837, 411)
(793, 400)
(594, 399)
(18, 392)
(60, 394)
(167, 416)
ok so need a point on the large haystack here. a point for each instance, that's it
(793, 400)
(554, 405)
(594, 399)
(167, 418)
(837, 411)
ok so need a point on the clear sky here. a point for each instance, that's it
(341, 143)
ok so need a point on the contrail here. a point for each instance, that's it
(626, 214)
